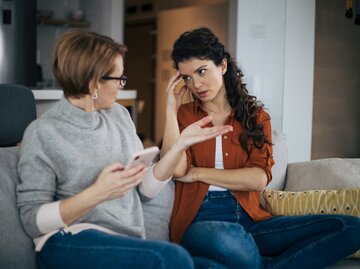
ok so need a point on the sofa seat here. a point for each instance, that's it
(17, 250)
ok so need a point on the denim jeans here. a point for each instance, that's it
(223, 232)
(92, 249)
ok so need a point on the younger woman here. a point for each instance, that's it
(217, 214)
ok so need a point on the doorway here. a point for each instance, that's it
(140, 39)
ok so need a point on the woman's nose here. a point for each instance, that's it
(197, 83)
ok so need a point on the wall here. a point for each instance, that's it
(274, 47)
(298, 78)
(106, 17)
(260, 52)
(336, 124)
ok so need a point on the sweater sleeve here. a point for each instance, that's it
(151, 186)
(37, 180)
(262, 157)
(48, 218)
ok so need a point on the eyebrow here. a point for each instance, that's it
(201, 67)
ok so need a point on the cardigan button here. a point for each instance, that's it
(225, 137)
(226, 154)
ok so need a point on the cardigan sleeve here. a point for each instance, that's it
(262, 157)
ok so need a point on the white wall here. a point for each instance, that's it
(275, 49)
(106, 17)
(299, 78)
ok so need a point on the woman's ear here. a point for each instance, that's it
(92, 86)
(223, 66)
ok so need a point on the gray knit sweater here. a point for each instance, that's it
(64, 151)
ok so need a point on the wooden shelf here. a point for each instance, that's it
(63, 23)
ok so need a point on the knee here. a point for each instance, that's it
(225, 242)
(176, 257)
(351, 224)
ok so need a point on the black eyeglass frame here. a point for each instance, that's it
(123, 79)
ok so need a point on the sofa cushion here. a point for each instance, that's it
(325, 174)
(280, 158)
(157, 213)
(17, 249)
(345, 202)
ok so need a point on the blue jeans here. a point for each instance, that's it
(223, 232)
(92, 249)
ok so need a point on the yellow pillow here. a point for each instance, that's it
(345, 202)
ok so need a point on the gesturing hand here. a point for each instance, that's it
(174, 98)
(195, 132)
(113, 182)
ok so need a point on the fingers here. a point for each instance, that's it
(113, 167)
(131, 181)
(126, 180)
(218, 130)
(203, 134)
(174, 80)
(202, 122)
(182, 91)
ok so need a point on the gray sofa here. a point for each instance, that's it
(17, 250)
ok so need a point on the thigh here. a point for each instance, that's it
(224, 242)
(93, 249)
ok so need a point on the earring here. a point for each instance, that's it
(94, 96)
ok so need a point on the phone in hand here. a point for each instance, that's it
(145, 157)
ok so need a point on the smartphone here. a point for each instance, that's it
(145, 157)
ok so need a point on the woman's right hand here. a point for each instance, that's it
(174, 98)
(113, 182)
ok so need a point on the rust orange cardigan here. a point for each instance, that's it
(189, 196)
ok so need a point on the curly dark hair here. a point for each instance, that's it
(201, 43)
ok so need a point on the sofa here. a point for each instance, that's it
(17, 250)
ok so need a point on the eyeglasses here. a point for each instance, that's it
(123, 79)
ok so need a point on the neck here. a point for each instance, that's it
(218, 104)
(216, 109)
(85, 103)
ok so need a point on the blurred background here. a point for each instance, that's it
(299, 57)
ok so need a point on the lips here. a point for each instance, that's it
(202, 94)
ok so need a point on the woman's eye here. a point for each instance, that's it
(186, 78)
(202, 71)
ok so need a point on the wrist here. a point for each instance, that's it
(195, 173)
(179, 146)
(95, 195)
(171, 113)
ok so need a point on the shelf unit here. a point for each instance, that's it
(64, 23)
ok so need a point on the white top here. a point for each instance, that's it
(219, 163)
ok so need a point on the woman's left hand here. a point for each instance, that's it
(189, 177)
(196, 132)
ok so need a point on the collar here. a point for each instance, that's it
(198, 109)
(84, 119)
